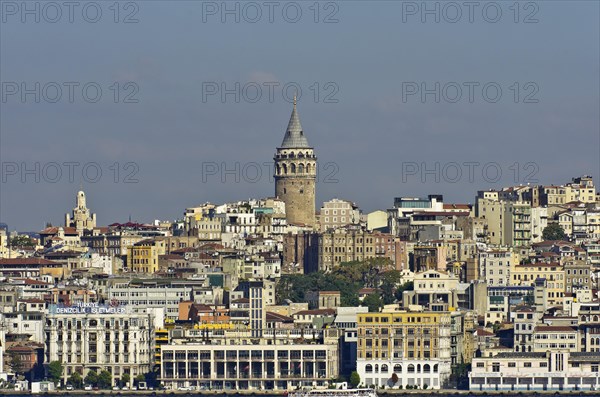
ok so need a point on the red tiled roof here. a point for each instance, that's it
(316, 312)
(278, 318)
(27, 261)
(54, 230)
(554, 328)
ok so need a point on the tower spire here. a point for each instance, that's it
(294, 134)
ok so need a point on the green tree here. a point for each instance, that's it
(553, 232)
(373, 302)
(140, 378)
(125, 379)
(104, 380)
(389, 280)
(76, 380)
(408, 286)
(354, 379)
(21, 241)
(55, 371)
(91, 378)
(16, 363)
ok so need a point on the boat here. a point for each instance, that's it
(334, 393)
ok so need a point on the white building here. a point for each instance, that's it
(552, 370)
(96, 337)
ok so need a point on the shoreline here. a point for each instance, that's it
(414, 393)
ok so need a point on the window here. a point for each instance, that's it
(527, 365)
(512, 365)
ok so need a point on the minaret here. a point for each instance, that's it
(296, 174)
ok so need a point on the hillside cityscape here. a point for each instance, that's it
(278, 294)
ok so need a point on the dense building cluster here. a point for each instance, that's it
(271, 294)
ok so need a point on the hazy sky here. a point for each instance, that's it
(361, 67)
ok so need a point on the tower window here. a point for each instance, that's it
(284, 190)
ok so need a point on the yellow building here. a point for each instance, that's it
(404, 348)
(143, 256)
(553, 273)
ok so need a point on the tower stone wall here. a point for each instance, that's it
(296, 174)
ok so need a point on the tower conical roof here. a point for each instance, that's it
(294, 135)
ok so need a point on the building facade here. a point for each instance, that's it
(404, 349)
(95, 337)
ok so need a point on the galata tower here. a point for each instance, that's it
(296, 174)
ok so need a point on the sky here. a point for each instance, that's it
(155, 106)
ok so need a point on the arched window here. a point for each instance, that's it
(293, 169)
(301, 169)
(308, 168)
(369, 368)
(435, 369)
(384, 368)
(292, 155)
(418, 368)
(278, 172)
(376, 368)
(595, 319)
(411, 369)
(398, 368)
(300, 155)
(284, 166)
(426, 369)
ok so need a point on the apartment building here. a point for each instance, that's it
(553, 273)
(141, 297)
(496, 266)
(353, 244)
(337, 213)
(547, 337)
(404, 349)
(97, 337)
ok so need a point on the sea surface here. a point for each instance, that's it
(420, 393)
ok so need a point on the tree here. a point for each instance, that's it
(354, 379)
(140, 378)
(104, 380)
(21, 241)
(76, 380)
(389, 280)
(16, 363)
(125, 379)
(553, 232)
(407, 286)
(373, 302)
(55, 371)
(91, 378)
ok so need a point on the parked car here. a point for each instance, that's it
(88, 387)
(69, 387)
(116, 388)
